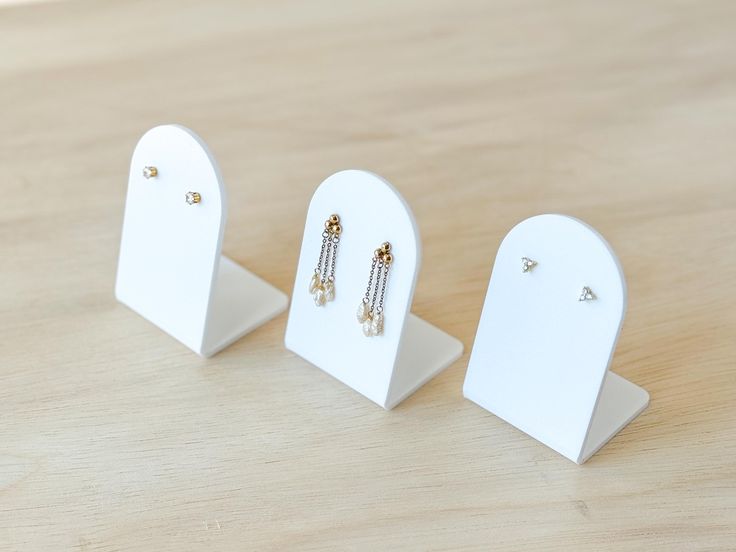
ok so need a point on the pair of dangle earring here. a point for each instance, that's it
(370, 310)
(322, 284)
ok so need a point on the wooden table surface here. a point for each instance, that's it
(113, 436)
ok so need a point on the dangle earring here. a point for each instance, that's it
(370, 311)
(322, 284)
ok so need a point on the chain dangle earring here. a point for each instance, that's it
(322, 284)
(370, 310)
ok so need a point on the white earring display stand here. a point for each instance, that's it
(385, 368)
(170, 269)
(540, 359)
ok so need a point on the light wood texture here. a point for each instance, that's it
(115, 437)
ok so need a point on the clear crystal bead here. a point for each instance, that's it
(314, 283)
(377, 324)
(368, 328)
(319, 297)
(329, 290)
(363, 313)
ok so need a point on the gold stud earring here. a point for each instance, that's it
(150, 172)
(192, 198)
(370, 311)
(322, 283)
(587, 294)
(527, 264)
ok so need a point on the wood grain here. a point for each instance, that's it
(115, 437)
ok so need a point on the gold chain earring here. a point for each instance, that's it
(322, 284)
(370, 310)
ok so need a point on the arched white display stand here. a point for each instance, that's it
(386, 368)
(541, 356)
(170, 269)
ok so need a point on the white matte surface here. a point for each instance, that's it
(170, 250)
(330, 337)
(540, 356)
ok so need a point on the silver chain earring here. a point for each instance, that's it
(322, 284)
(370, 310)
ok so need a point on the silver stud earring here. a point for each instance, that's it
(527, 264)
(150, 172)
(586, 294)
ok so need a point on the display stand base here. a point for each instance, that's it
(619, 403)
(241, 302)
(425, 352)
(541, 354)
(385, 368)
(171, 270)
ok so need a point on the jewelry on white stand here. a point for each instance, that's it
(540, 358)
(385, 368)
(170, 269)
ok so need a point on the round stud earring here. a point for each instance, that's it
(150, 172)
(193, 197)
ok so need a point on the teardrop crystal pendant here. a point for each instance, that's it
(329, 290)
(364, 312)
(377, 324)
(314, 283)
(320, 297)
(368, 329)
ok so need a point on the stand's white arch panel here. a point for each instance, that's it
(169, 269)
(330, 337)
(170, 250)
(540, 356)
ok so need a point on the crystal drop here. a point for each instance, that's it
(377, 324)
(319, 297)
(368, 328)
(314, 283)
(363, 313)
(329, 290)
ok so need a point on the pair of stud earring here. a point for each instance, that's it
(190, 197)
(527, 265)
(322, 284)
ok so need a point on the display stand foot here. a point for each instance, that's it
(619, 403)
(425, 352)
(241, 302)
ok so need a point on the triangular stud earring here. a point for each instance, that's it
(587, 294)
(527, 264)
